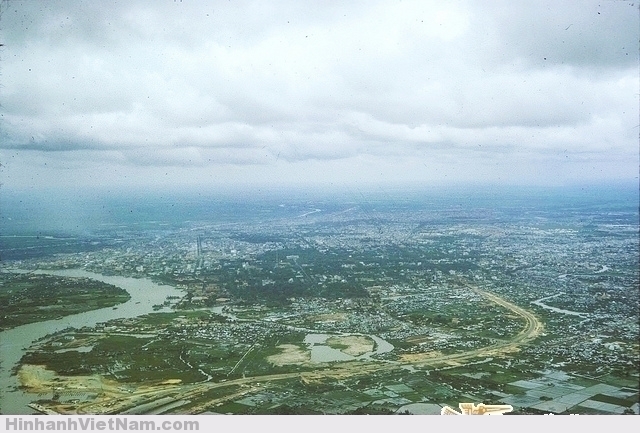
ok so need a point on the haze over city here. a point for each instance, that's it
(284, 207)
(139, 94)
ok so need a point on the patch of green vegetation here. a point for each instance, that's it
(233, 408)
(371, 410)
(581, 410)
(631, 382)
(286, 409)
(413, 396)
(336, 344)
(431, 390)
(512, 389)
(583, 381)
(529, 411)
(341, 395)
(29, 298)
(488, 376)
(122, 357)
(167, 317)
(626, 402)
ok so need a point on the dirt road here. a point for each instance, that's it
(112, 403)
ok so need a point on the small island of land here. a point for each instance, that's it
(28, 298)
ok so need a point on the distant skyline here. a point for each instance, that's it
(157, 94)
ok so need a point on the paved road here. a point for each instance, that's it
(531, 330)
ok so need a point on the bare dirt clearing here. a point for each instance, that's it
(291, 354)
(354, 345)
(329, 317)
(37, 379)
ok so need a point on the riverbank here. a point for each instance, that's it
(15, 342)
(29, 298)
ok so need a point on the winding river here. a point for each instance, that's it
(144, 295)
(14, 342)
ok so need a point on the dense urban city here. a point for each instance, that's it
(376, 307)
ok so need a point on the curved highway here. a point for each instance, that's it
(117, 404)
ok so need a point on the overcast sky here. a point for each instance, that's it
(213, 94)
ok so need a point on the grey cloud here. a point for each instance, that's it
(579, 33)
(276, 85)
